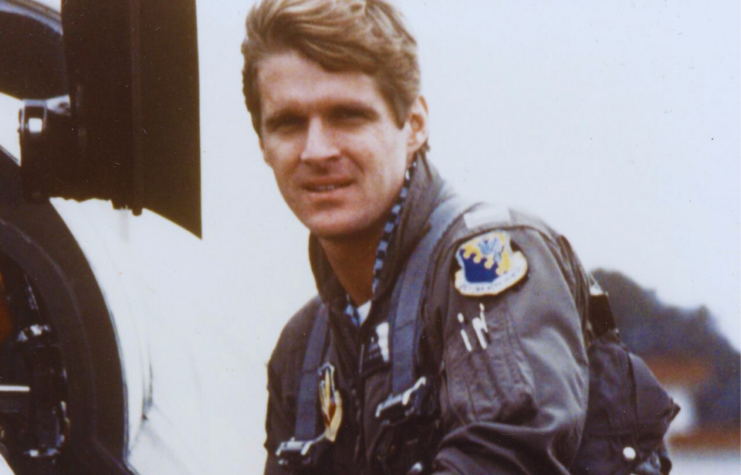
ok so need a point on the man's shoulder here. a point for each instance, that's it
(492, 250)
(483, 218)
(488, 221)
(295, 334)
(492, 247)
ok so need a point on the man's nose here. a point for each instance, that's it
(320, 142)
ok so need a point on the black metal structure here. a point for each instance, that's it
(111, 106)
(111, 112)
(31, 51)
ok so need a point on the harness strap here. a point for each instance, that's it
(306, 416)
(403, 327)
(407, 297)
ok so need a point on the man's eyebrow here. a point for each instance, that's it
(356, 108)
(342, 107)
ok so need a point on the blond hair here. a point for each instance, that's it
(341, 35)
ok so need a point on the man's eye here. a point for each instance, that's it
(290, 122)
(285, 123)
(349, 115)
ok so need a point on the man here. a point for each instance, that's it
(498, 353)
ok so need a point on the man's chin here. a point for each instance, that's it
(338, 232)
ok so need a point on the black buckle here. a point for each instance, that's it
(600, 313)
(297, 454)
(398, 407)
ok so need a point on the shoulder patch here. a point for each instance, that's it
(488, 265)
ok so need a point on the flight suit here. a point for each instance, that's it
(507, 360)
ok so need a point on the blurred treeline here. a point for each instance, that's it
(655, 330)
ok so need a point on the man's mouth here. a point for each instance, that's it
(325, 188)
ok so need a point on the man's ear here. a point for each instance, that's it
(418, 126)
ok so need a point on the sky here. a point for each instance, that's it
(616, 122)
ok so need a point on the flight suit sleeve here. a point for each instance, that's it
(284, 373)
(513, 375)
(278, 424)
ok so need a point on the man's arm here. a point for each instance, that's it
(284, 373)
(514, 388)
(279, 424)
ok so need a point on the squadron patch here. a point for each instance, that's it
(488, 265)
(331, 402)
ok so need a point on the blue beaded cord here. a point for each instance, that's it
(382, 250)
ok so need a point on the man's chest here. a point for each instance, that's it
(380, 426)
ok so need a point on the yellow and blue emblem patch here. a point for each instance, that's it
(331, 402)
(488, 265)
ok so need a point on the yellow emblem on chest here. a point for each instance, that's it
(331, 402)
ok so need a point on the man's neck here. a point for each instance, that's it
(352, 261)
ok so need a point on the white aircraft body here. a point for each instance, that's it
(102, 368)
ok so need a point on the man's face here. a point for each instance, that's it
(334, 145)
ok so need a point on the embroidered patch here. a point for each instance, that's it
(488, 265)
(331, 402)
